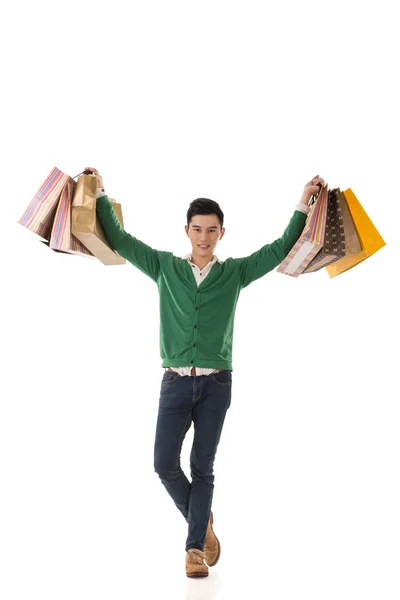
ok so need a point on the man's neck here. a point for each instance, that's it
(200, 262)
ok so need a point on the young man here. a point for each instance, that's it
(198, 298)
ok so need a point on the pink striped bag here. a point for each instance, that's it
(49, 214)
(310, 241)
(62, 238)
(39, 215)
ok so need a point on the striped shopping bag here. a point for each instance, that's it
(62, 238)
(310, 241)
(39, 215)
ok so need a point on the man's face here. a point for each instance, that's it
(204, 230)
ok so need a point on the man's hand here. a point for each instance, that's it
(99, 179)
(311, 188)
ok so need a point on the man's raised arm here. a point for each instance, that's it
(138, 253)
(271, 255)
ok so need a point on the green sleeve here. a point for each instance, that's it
(139, 254)
(271, 255)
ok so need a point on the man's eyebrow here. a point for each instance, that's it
(211, 226)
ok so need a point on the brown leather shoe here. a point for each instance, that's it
(195, 566)
(212, 547)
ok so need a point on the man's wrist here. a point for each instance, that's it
(100, 192)
(304, 208)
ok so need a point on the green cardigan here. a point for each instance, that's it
(197, 322)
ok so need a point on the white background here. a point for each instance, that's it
(242, 103)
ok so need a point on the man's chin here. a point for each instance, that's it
(207, 252)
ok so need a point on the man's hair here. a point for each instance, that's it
(204, 206)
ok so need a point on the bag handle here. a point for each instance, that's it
(87, 172)
(315, 196)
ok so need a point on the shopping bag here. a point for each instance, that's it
(352, 241)
(61, 237)
(87, 227)
(39, 215)
(334, 246)
(311, 239)
(370, 239)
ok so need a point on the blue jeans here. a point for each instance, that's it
(203, 399)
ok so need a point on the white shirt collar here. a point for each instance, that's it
(188, 257)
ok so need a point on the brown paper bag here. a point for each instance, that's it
(351, 238)
(87, 227)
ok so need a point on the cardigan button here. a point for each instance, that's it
(195, 326)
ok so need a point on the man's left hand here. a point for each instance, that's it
(311, 188)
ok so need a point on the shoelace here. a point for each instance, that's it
(196, 557)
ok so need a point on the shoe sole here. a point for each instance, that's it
(219, 545)
(197, 575)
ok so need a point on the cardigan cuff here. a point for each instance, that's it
(100, 192)
(303, 208)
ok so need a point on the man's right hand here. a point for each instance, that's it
(99, 179)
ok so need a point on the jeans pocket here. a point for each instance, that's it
(169, 377)
(223, 377)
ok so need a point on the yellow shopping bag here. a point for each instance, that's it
(370, 239)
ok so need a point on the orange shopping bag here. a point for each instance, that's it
(370, 238)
